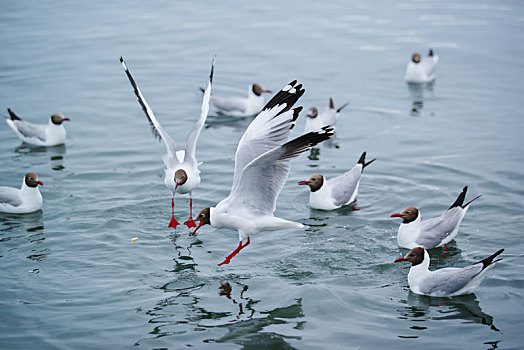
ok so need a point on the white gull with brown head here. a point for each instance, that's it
(181, 174)
(51, 134)
(262, 164)
(27, 199)
(432, 233)
(330, 194)
(328, 117)
(446, 282)
(421, 70)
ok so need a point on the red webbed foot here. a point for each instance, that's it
(228, 258)
(173, 223)
(190, 223)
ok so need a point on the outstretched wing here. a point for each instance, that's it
(192, 138)
(263, 178)
(156, 128)
(269, 129)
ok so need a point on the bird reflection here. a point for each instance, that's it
(183, 259)
(417, 92)
(25, 226)
(465, 307)
(225, 289)
(55, 153)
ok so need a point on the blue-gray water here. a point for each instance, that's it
(70, 276)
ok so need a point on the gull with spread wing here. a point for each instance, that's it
(182, 174)
(262, 163)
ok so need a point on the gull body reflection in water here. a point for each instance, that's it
(422, 309)
(23, 234)
(418, 92)
(54, 153)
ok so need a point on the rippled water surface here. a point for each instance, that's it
(70, 276)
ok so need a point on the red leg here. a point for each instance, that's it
(190, 222)
(444, 251)
(173, 223)
(235, 252)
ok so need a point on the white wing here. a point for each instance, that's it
(229, 104)
(29, 130)
(449, 280)
(263, 178)
(10, 195)
(269, 129)
(192, 138)
(156, 128)
(345, 184)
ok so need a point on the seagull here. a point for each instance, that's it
(446, 282)
(262, 163)
(338, 191)
(24, 200)
(328, 117)
(181, 173)
(434, 232)
(241, 106)
(51, 134)
(421, 70)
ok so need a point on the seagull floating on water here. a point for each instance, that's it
(241, 106)
(432, 233)
(421, 70)
(51, 134)
(27, 199)
(338, 191)
(182, 173)
(448, 281)
(328, 117)
(262, 163)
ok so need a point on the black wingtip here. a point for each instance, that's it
(342, 107)
(460, 199)
(468, 203)
(289, 95)
(430, 52)
(212, 69)
(202, 90)
(490, 259)
(13, 115)
(305, 142)
(121, 59)
(362, 160)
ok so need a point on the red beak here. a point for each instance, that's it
(176, 186)
(39, 183)
(401, 259)
(396, 215)
(199, 225)
(66, 119)
(267, 91)
(303, 183)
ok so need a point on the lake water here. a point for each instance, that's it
(70, 276)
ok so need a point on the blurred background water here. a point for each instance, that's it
(70, 275)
